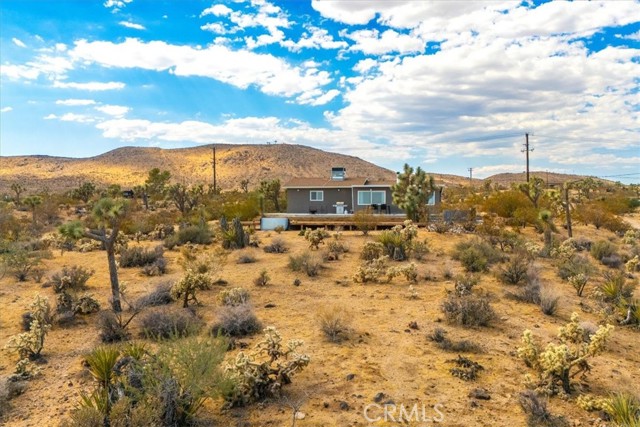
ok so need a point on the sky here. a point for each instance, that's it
(444, 85)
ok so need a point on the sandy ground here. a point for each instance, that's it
(384, 355)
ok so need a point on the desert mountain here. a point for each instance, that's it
(129, 166)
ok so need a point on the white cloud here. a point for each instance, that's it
(5, 109)
(89, 86)
(71, 117)
(633, 36)
(132, 25)
(216, 28)
(113, 110)
(316, 38)
(241, 68)
(216, 10)
(371, 42)
(18, 42)
(325, 98)
(75, 102)
(116, 5)
(365, 65)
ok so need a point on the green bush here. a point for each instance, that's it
(163, 324)
(601, 249)
(137, 256)
(476, 255)
(70, 279)
(515, 270)
(199, 234)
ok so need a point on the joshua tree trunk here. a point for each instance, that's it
(113, 276)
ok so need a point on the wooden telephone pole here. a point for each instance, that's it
(526, 149)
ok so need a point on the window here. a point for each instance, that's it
(431, 201)
(316, 195)
(372, 197)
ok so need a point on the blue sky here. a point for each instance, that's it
(446, 85)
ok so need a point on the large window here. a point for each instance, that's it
(316, 195)
(432, 199)
(372, 197)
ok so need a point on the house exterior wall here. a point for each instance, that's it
(388, 199)
(298, 200)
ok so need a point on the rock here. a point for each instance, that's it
(325, 404)
(479, 393)
(378, 397)
(269, 305)
(344, 405)
(414, 325)
(350, 377)
(300, 415)
(296, 282)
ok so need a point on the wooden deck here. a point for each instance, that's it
(335, 220)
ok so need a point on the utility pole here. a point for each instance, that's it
(526, 149)
(567, 209)
(215, 186)
(470, 176)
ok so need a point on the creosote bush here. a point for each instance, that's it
(236, 321)
(161, 295)
(335, 323)
(308, 262)
(549, 299)
(138, 256)
(164, 324)
(263, 278)
(263, 372)
(233, 296)
(476, 255)
(556, 364)
(471, 310)
(514, 272)
(397, 243)
(277, 246)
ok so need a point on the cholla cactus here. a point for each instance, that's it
(29, 344)
(187, 287)
(565, 251)
(579, 281)
(532, 249)
(413, 294)
(233, 296)
(254, 379)
(372, 250)
(371, 271)
(631, 237)
(589, 402)
(558, 363)
(316, 237)
(410, 272)
(632, 264)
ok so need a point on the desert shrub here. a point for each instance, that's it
(408, 271)
(245, 258)
(111, 329)
(514, 272)
(529, 292)
(549, 299)
(556, 364)
(612, 261)
(579, 282)
(86, 304)
(536, 410)
(365, 220)
(573, 266)
(277, 246)
(615, 289)
(263, 278)
(20, 263)
(164, 324)
(137, 256)
(469, 310)
(335, 323)
(70, 279)
(601, 249)
(236, 321)
(371, 251)
(198, 234)
(465, 284)
(161, 295)
(505, 203)
(476, 255)
(29, 344)
(233, 296)
(187, 287)
(419, 250)
(157, 268)
(307, 262)
(265, 371)
(439, 337)
(466, 369)
(316, 237)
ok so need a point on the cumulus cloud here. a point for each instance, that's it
(113, 110)
(240, 68)
(216, 10)
(315, 38)
(71, 117)
(116, 5)
(372, 42)
(75, 102)
(5, 109)
(132, 25)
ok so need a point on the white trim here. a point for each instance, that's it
(384, 197)
(319, 193)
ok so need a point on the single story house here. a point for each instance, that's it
(339, 194)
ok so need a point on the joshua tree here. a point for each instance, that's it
(18, 188)
(109, 215)
(533, 189)
(412, 192)
(33, 202)
(546, 217)
(84, 192)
